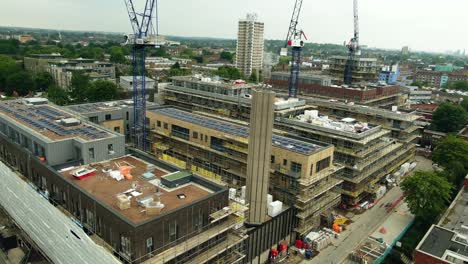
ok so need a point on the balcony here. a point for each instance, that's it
(315, 191)
(207, 255)
(328, 200)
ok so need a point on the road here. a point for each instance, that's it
(361, 228)
(364, 224)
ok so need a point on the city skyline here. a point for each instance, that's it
(400, 24)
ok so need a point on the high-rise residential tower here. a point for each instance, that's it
(249, 54)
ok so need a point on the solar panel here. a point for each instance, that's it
(233, 129)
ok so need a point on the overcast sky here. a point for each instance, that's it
(430, 25)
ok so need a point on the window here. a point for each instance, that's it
(93, 119)
(166, 126)
(173, 231)
(285, 162)
(110, 148)
(180, 132)
(296, 167)
(128, 116)
(206, 138)
(201, 137)
(195, 135)
(117, 129)
(108, 117)
(159, 123)
(272, 159)
(149, 245)
(91, 153)
(323, 164)
(311, 169)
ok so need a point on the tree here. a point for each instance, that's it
(226, 55)
(229, 72)
(19, 82)
(464, 104)
(8, 66)
(10, 46)
(420, 84)
(43, 81)
(253, 77)
(57, 95)
(176, 70)
(102, 90)
(452, 154)
(458, 85)
(79, 85)
(117, 55)
(449, 118)
(427, 194)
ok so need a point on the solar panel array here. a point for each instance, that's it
(232, 129)
(44, 118)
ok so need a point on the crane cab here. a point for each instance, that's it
(296, 43)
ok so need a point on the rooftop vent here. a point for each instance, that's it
(69, 122)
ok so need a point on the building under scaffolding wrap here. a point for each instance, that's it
(366, 151)
(302, 171)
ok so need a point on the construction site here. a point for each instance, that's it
(224, 171)
(225, 98)
(366, 151)
(218, 150)
(135, 209)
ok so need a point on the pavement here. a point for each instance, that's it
(363, 225)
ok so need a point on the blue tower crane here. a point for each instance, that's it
(142, 38)
(294, 40)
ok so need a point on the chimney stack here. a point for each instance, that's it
(259, 155)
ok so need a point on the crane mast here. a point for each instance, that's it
(353, 47)
(294, 40)
(140, 40)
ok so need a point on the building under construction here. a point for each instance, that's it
(367, 151)
(302, 172)
(364, 69)
(231, 99)
(402, 123)
(370, 94)
(138, 208)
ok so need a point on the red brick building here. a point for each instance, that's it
(368, 95)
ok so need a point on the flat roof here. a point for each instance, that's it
(130, 79)
(105, 106)
(219, 83)
(297, 146)
(45, 119)
(105, 189)
(347, 124)
(438, 241)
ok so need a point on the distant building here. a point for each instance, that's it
(249, 52)
(405, 51)
(304, 78)
(37, 63)
(390, 74)
(366, 69)
(126, 83)
(25, 38)
(417, 95)
(440, 79)
(319, 86)
(62, 71)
